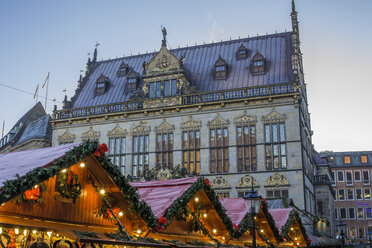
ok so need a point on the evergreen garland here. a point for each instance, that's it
(68, 185)
(293, 216)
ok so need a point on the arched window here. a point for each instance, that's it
(220, 69)
(102, 85)
(242, 52)
(258, 64)
(123, 69)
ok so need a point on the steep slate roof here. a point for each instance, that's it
(39, 129)
(199, 63)
(14, 164)
(160, 195)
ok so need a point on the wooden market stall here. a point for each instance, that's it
(266, 233)
(288, 221)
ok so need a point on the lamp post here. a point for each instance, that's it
(342, 225)
(253, 203)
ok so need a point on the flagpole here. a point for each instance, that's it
(46, 95)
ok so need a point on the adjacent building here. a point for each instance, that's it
(233, 111)
(351, 181)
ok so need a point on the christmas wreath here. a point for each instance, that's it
(68, 185)
(32, 195)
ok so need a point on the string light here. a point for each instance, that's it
(205, 215)
(34, 231)
(35, 186)
(262, 230)
(120, 213)
(49, 233)
(1, 230)
(82, 165)
(298, 243)
(223, 238)
(25, 232)
(196, 199)
(215, 231)
(16, 231)
(102, 191)
(64, 170)
(138, 231)
(291, 228)
(295, 238)
(57, 235)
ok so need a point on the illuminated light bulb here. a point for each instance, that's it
(196, 199)
(49, 234)
(295, 238)
(223, 238)
(291, 228)
(25, 232)
(138, 231)
(35, 186)
(16, 231)
(255, 217)
(34, 231)
(57, 235)
(64, 170)
(120, 213)
(102, 191)
(205, 215)
(298, 243)
(82, 165)
(262, 230)
(214, 230)
(1, 230)
(3, 204)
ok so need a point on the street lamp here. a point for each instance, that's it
(342, 225)
(253, 203)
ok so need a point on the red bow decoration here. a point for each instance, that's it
(264, 200)
(116, 211)
(207, 182)
(101, 149)
(162, 221)
(32, 194)
(236, 228)
(310, 240)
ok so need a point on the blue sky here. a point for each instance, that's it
(38, 37)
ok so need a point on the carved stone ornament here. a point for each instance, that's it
(163, 61)
(220, 183)
(90, 135)
(245, 119)
(190, 125)
(159, 173)
(218, 122)
(246, 182)
(277, 180)
(165, 127)
(273, 117)
(66, 138)
(141, 129)
(117, 132)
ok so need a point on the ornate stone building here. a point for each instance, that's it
(233, 111)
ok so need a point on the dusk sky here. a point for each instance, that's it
(38, 37)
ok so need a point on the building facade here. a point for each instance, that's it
(233, 111)
(351, 180)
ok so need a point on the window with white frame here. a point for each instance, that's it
(341, 194)
(367, 194)
(350, 194)
(336, 213)
(360, 213)
(351, 213)
(340, 176)
(361, 233)
(366, 180)
(357, 177)
(349, 178)
(342, 213)
(358, 194)
(275, 148)
(369, 213)
(333, 179)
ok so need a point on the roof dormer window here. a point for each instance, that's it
(242, 52)
(220, 69)
(258, 65)
(123, 69)
(132, 79)
(102, 85)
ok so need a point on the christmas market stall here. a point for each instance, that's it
(288, 221)
(188, 211)
(69, 196)
(266, 232)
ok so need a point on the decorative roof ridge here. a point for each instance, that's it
(266, 36)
